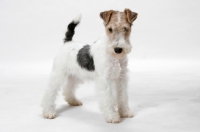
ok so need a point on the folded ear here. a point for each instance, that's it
(106, 15)
(130, 16)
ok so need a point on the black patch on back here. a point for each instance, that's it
(84, 58)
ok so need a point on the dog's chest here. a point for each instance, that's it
(114, 68)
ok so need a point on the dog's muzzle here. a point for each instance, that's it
(118, 50)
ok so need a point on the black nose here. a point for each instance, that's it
(118, 50)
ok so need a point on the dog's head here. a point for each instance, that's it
(118, 29)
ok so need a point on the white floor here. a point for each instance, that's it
(165, 97)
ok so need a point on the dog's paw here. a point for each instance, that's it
(113, 118)
(127, 114)
(74, 102)
(49, 115)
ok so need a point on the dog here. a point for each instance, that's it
(104, 61)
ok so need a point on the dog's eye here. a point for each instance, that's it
(110, 30)
(125, 29)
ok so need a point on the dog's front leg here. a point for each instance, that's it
(122, 96)
(107, 98)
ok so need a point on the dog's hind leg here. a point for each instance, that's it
(69, 91)
(48, 104)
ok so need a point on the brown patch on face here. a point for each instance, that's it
(118, 26)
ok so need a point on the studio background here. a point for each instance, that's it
(164, 86)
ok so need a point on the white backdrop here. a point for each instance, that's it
(34, 30)
(164, 62)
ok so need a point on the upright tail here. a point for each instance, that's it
(70, 30)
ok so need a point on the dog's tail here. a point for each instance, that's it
(70, 30)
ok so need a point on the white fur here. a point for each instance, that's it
(118, 18)
(110, 76)
(77, 18)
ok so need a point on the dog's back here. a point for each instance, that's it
(74, 56)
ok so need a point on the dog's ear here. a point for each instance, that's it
(130, 16)
(106, 15)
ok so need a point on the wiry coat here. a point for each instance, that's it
(101, 62)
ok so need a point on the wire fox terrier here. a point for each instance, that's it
(104, 61)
